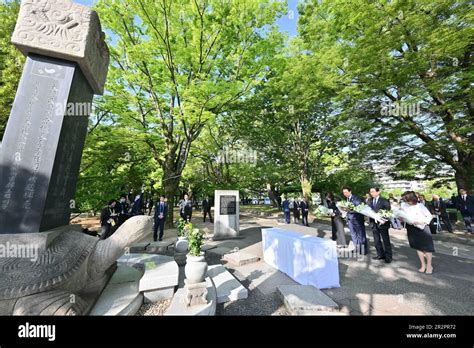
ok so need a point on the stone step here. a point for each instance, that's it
(157, 247)
(241, 258)
(228, 288)
(160, 275)
(121, 296)
(306, 300)
(177, 306)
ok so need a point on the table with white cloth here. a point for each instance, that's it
(307, 259)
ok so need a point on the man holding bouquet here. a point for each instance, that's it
(380, 230)
(355, 222)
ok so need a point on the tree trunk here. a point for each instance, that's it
(170, 184)
(306, 186)
(272, 194)
(465, 175)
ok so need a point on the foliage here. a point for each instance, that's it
(393, 53)
(196, 240)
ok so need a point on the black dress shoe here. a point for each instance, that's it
(388, 260)
(160, 240)
(378, 258)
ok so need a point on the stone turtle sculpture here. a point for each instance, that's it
(68, 277)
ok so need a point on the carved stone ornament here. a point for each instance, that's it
(65, 30)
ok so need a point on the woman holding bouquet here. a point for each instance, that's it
(419, 234)
(337, 222)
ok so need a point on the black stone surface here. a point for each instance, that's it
(228, 205)
(42, 146)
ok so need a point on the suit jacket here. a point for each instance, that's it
(356, 200)
(304, 207)
(437, 207)
(285, 205)
(332, 205)
(187, 207)
(465, 207)
(382, 203)
(206, 205)
(159, 209)
(106, 215)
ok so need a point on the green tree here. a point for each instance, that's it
(11, 61)
(398, 53)
(177, 65)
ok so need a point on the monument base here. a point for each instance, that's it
(195, 294)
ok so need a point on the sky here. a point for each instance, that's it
(286, 23)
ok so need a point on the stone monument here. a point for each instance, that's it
(226, 214)
(66, 64)
(63, 270)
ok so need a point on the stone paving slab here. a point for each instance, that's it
(219, 250)
(160, 271)
(228, 288)
(306, 300)
(121, 296)
(241, 258)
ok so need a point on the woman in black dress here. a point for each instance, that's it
(419, 234)
(337, 223)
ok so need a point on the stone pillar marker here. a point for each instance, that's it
(67, 62)
(226, 214)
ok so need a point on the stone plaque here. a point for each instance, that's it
(228, 205)
(226, 219)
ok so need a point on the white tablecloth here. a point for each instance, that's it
(307, 259)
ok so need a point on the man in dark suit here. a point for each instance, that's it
(437, 207)
(465, 204)
(161, 210)
(108, 219)
(380, 231)
(355, 222)
(206, 209)
(123, 208)
(186, 208)
(304, 206)
(285, 205)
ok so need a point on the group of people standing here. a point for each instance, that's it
(419, 230)
(299, 207)
(117, 212)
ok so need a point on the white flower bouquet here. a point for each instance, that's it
(403, 215)
(367, 211)
(323, 211)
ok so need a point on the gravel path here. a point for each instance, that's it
(157, 308)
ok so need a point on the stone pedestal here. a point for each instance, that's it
(195, 294)
(226, 214)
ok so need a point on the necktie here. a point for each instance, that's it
(375, 202)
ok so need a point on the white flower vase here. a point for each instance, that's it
(195, 269)
(181, 245)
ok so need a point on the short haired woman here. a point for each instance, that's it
(419, 238)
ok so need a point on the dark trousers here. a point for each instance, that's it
(359, 238)
(380, 232)
(161, 224)
(338, 234)
(467, 221)
(105, 231)
(287, 217)
(185, 217)
(205, 214)
(304, 218)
